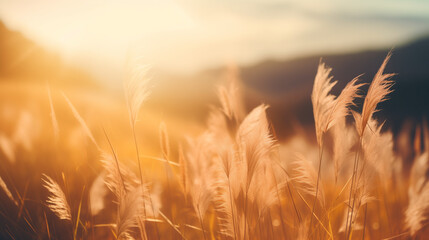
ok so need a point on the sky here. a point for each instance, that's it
(187, 36)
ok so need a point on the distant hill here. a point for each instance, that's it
(287, 85)
(23, 60)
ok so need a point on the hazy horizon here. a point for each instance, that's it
(190, 36)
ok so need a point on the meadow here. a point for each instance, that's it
(81, 166)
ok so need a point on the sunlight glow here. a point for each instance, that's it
(190, 35)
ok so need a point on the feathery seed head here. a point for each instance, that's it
(57, 201)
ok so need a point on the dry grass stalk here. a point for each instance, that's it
(418, 207)
(7, 191)
(327, 109)
(137, 90)
(81, 121)
(57, 201)
(378, 90)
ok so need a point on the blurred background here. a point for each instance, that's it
(54, 50)
(82, 48)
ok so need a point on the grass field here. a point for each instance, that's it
(84, 165)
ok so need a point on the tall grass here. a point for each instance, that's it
(234, 180)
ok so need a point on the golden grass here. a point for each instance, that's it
(108, 177)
